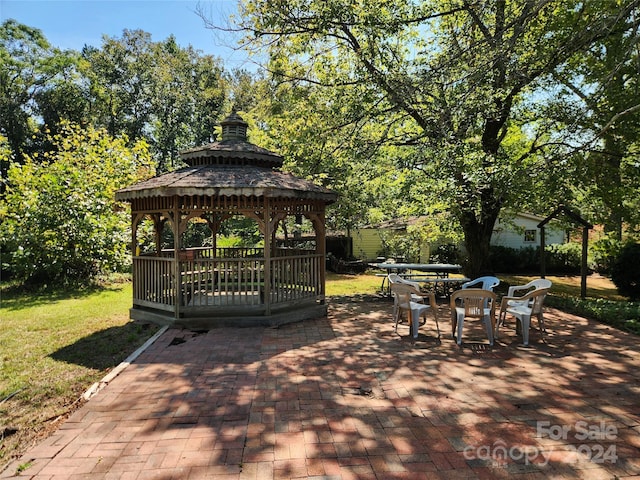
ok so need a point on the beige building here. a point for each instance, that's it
(368, 241)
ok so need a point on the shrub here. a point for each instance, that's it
(625, 272)
(60, 224)
(564, 258)
(513, 260)
(559, 259)
(446, 253)
(603, 253)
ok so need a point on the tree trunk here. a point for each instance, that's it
(477, 240)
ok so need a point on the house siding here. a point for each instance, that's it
(505, 235)
(366, 243)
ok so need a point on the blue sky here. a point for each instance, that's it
(71, 24)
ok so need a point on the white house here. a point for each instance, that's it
(522, 231)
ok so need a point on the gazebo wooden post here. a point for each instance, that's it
(267, 255)
(135, 220)
(214, 226)
(158, 225)
(321, 249)
(176, 257)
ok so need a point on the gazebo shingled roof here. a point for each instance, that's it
(223, 180)
(232, 166)
(237, 151)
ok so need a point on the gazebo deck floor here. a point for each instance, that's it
(224, 299)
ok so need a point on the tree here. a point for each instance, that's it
(448, 81)
(601, 97)
(212, 96)
(188, 94)
(121, 80)
(58, 222)
(29, 69)
(301, 124)
(244, 89)
(169, 95)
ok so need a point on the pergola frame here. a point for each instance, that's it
(586, 226)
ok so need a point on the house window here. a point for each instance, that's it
(529, 236)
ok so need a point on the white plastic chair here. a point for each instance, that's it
(523, 308)
(515, 295)
(484, 283)
(475, 303)
(403, 294)
(393, 279)
(533, 284)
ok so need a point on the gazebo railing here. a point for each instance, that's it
(296, 277)
(153, 284)
(222, 282)
(211, 283)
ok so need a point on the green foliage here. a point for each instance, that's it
(169, 95)
(237, 231)
(405, 246)
(625, 271)
(243, 228)
(59, 221)
(563, 258)
(230, 242)
(622, 315)
(446, 253)
(559, 259)
(515, 260)
(603, 253)
(197, 234)
(598, 97)
(158, 91)
(444, 99)
(29, 68)
(413, 242)
(303, 125)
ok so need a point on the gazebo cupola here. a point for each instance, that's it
(234, 128)
(269, 283)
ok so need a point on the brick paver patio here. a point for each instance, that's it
(344, 397)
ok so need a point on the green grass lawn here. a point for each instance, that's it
(597, 286)
(54, 346)
(340, 285)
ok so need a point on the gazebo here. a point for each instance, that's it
(206, 286)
